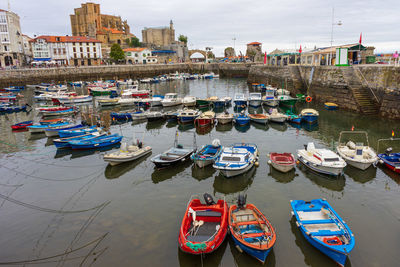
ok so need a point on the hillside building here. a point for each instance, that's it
(11, 41)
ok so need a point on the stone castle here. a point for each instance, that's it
(159, 36)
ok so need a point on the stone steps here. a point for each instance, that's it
(362, 97)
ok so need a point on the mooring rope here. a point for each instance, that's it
(27, 205)
(55, 256)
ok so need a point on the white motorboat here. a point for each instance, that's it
(189, 101)
(72, 99)
(171, 99)
(321, 160)
(187, 115)
(255, 100)
(154, 115)
(236, 159)
(357, 154)
(224, 118)
(227, 100)
(276, 116)
(240, 100)
(147, 80)
(106, 102)
(127, 101)
(127, 153)
(270, 99)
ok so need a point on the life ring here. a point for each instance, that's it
(332, 241)
(308, 99)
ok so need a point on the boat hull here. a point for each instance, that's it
(261, 121)
(224, 120)
(166, 164)
(232, 172)
(310, 118)
(282, 168)
(260, 255)
(321, 169)
(240, 102)
(203, 122)
(255, 103)
(115, 161)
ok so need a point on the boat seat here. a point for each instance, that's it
(208, 213)
(198, 238)
(175, 154)
(165, 157)
(326, 233)
(316, 221)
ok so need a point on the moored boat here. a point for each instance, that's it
(283, 162)
(255, 100)
(205, 119)
(77, 132)
(259, 118)
(171, 99)
(96, 143)
(323, 228)
(309, 115)
(390, 160)
(41, 128)
(187, 115)
(250, 230)
(207, 154)
(224, 118)
(321, 160)
(53, 131)
(240, 100)
(64, 142)
(189, 101)
(21, 125)
(276, 116)
(127, 153)
(204, 226)
(242, 119)
(331, 106)
(236, 159)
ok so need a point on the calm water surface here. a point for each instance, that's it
(72, 203)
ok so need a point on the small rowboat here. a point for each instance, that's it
(242, 119)
(64, 142)
(51, 121)
(21, 125)
(309, 115)
(259, 118)
(323, 228)
(207, 154)
(41, 128)
(331, 106)
(77, 132)
(53, 131)
(204, 226)
(96, 143)
(250, 230)
(127, 153)
(225, 118)
(58, 112)
(283, 162)
(205, 119)
(390, 160)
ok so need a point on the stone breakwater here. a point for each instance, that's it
(65, 74)
(371, 89)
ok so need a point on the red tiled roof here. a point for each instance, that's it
(254, 43)
(2, 10)
(134, 49)
(112, 30)
(66, 39)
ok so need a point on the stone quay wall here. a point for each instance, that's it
(64, 74)
(332, 84)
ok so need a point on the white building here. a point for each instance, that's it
(67, 50)
(11, 42)
(139, 55)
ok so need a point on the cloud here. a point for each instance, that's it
(275, 23)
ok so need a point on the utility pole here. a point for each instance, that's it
(333, 23)
(234, 43)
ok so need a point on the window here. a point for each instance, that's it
(55, 51)
(136, 55)
(64, 51)
(4, 38)
(3, 28)
(3, 19)
(94, 44)
(74, 55)
(87, 44)
(58, 39)
(88, 49)
(94, 49)
(129, 54)
(81, 49)
(5, 48)
(95, 56)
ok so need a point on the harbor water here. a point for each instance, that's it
(70, 207)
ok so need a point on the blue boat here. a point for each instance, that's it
(250, 230)
(71, 133)
(64, 142)
(242, 119)
(240, 100)
(96, 143)
(121, 116)
(12, 109)
(187, 115)
(331, 106)
(323, 228)
(53, 131)
(309, 115)
(207, 154)
(39, 128)
(390, 160)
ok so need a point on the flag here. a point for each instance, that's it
(392, 133)
(300, 50)
(360, 38)
(352, 128)
(265, 58)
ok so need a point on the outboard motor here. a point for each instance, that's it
(388, 151)
(241, 202)
(305, 146)
(208, 199)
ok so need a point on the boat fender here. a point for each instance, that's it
(256, 164)
(269, 162)
(208, 199)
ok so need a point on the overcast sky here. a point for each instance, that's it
(214, 23)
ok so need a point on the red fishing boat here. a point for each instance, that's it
(54, 108)
(205, 119)
(51, 121)
(283, 162)
(204, 226)
(21, 125)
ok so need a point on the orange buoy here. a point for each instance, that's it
(308, 99)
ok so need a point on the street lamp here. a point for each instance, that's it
(234, 42)
(339, 23)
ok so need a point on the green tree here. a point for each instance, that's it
(116, 53)
(183, 38)
(133, 42)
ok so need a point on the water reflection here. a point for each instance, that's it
(82, 153)
(242, 128)
(152, 125)
(312, 256)
(259, 126)
(202, 173)
(204, 130)
(395, 176)
(281, 127)
(224, 127)
(37, 136)
(360, 176)
(113, 172)
(234, 184)
(282, 177)
(253, 110)
(243, 259)
(185, 127)
(211, 259)
(160, 175)
(310, 127)
(329, 182)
